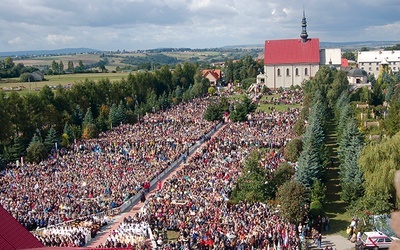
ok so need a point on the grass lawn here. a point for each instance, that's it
(282, 107)
(335, 209)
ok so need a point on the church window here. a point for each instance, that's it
(279, 72)
(297, 71)
(306, 71)
(287, 72)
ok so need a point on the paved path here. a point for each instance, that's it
(337, 242)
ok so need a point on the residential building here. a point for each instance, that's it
(213, 75)
(372, 61)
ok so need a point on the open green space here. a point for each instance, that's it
(55, 80)
(268, 108)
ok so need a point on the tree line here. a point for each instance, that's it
(8, 69)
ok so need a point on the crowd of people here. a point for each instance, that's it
(98, 175)
(131, 233)
(286, 97)
(195, 201)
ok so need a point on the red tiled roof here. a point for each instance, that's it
(13, 236)
(216, 73)
(291, 51)
(345, 62)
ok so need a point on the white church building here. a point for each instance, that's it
(288, 62)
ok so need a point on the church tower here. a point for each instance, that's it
(304, 34)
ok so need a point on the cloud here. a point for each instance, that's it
(59, 39)
(142, 24)
(15, 41)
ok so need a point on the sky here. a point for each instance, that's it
(148, 24)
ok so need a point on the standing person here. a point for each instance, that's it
(159, 185)
(327, 223)
(319, 240)
(142, 196)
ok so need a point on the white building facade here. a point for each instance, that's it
(371, 61)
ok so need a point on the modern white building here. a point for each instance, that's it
(371, 61)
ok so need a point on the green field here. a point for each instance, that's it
(55, 80)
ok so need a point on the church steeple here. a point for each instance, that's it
(304, 34)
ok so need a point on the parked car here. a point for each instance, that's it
(373, 240)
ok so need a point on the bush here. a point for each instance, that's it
(293, 149)
(26, 77)
(316, 209)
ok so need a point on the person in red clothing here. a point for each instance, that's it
(159, 185)
(146, 186)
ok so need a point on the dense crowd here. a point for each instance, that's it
(195, 201)
(97, 175)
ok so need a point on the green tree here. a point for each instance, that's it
(293, 149)
(392, 121)
(51, 139)
(282, 174)
(379, 161)
(36, 150)
(351, 176)
(5, 120)
(88, 119)
(103, 122)
(17, 149)
(113, 115)
(26, 77)
(60, 67)
(316, 209)
(121, 113)
(314, 157)
(8, 63)
(299, 127)
(252, 185)
(54, 67)
(102, 68)
(211, 91)
(291, 196)
(349, 55)
(70, 67)
(318, 192)
(340, 84)
(213, 112)
(90, 131)
(242, 109)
